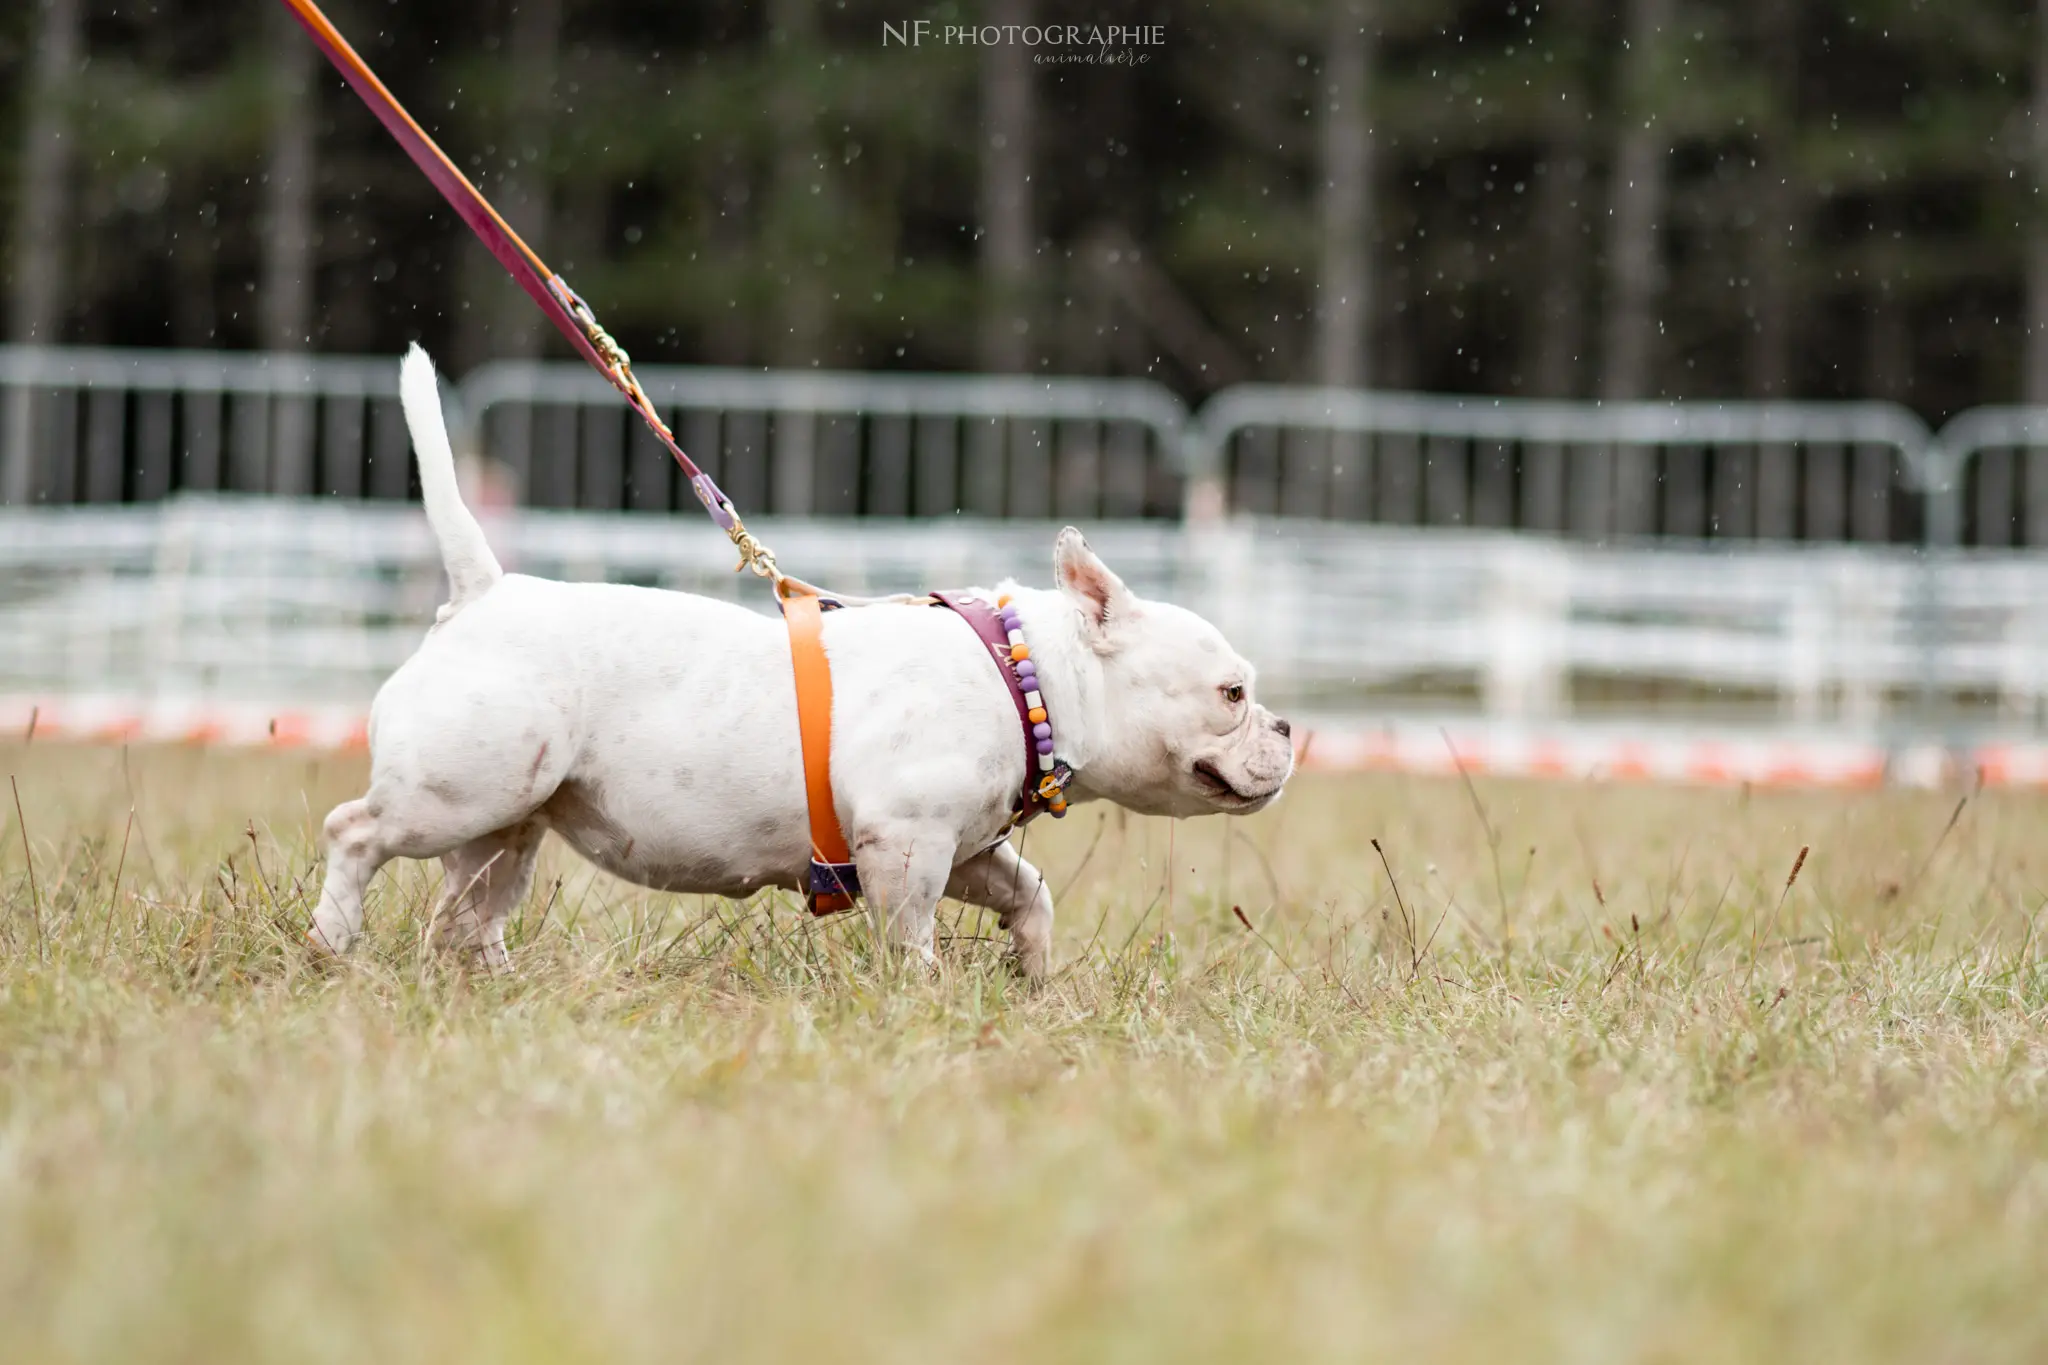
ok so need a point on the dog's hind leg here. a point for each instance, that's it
(439, 786)
(483, 880)
(1004, 882)
(354, 854)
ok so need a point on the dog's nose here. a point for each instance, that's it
(1280, 724)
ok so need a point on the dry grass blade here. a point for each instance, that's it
(1927, 860)
(1282, 958)
(1500, 886)
(114, 896)
(1408, 925)
(1756, 941)
(35, 899)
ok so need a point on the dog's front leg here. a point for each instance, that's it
(1003, 881)
(903, 867)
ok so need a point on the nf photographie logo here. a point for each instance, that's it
(1052, 44)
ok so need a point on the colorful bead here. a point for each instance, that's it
(1051, 785)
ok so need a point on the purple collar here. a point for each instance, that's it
(1045, 776)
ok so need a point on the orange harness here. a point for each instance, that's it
(834, 882)
(805, 614)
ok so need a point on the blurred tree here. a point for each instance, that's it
(498, 321)
(1562, 175)
(1008, 236)
(1779, 196)
(290, 239)
(1636, 206)
(2034, 378)
(1344, 313)
(801, 206)
(37, 297)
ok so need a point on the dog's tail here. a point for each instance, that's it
(472, 568)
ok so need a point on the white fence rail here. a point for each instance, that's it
(318, 601)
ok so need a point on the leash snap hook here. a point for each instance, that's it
(601, 340)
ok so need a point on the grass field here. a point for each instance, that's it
(1598, 1086)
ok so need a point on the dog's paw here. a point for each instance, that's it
(1033, 964)
(320, 951)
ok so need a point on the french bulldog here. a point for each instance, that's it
(656, 733)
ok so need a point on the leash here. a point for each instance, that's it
(564, 307)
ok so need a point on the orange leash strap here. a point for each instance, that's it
(833, 880)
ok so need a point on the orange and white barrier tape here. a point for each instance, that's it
(1583, 753)
(1568, 752)
(124, 720)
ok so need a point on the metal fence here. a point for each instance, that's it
(1842, 472)
(99, 426)
(1987, 470)
(793, 443)
(103, 426)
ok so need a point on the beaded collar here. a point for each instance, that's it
(1002, 630)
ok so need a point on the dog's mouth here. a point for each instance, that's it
(1215, 784)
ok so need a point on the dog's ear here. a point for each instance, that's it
(1099, 594)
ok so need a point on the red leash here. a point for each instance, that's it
(564, 308)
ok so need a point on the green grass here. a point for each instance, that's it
(1629, 1099)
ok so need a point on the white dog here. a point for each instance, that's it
(656, 732)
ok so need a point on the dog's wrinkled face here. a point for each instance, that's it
(1186, 734)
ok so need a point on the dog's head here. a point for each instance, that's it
(1183, 732)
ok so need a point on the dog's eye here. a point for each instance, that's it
(1234, 693)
